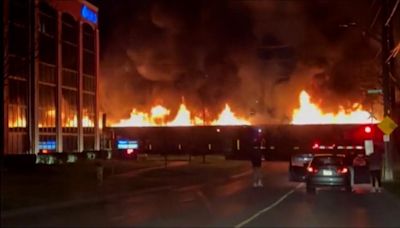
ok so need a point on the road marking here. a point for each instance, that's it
(269, 207)
(241, 174)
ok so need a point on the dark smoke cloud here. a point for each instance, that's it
(255, 55)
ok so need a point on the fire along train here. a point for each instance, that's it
(281, 141)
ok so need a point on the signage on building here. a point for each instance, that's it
(89, 14)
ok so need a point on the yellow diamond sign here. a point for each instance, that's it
(387, 125)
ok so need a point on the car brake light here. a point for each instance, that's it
(343, 170)
(315, 146)
(312, 170)
(129, 151)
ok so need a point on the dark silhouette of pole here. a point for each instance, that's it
(387, 85)
(3, 76)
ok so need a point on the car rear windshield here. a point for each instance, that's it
(328, 160)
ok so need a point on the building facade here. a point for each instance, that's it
(51, 65)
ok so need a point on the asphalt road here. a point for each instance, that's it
(232, 203)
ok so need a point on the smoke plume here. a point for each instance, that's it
(255, 55)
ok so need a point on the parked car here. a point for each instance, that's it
(327, 170)
(298, 166)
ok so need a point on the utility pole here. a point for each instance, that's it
(387, 85)
(3, 77)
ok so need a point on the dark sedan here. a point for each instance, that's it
(327, 171)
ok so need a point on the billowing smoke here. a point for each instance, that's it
(255, 55)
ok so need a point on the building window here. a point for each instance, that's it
(47, 107)
(47, 73)
(17, 108)
(19, 12)
(88, 142)
(89, 57)
(18, 67)
(70, 143)
(89, 83)
(47, 29)
(19, 40)
(70, 78)
(69, 107)
(89, 102)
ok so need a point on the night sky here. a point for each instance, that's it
(255, 55)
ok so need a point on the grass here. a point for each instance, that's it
(51, 184)
(45, 184)
(394, 187)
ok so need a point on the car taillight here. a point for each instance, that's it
(343, 170)
(129, 151)
(312, 170)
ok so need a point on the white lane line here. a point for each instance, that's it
(248, 172)
(268, 208)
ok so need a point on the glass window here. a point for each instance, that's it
(18, 67)
(69, 29)
(69, 107)
(88, 142)
(69, 56)
(47, 73)
(18, 42)
(19, 11)
(48, 49)
(89, 83)
(88, 63)
(89, 102)
(17, 108)
(70, 78)
(88, 38)
(70, 143)
(47, 106)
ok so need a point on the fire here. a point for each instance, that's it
(227, 117)
(158, 117)
(309, 113)
(183, 117)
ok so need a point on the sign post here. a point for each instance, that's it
(387, 126)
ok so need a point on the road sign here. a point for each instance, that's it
(374, 91)
(386, 138)
(387, 125)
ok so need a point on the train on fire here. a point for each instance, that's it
(281, 141)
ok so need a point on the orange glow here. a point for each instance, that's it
(227, 117)
(19, 122)
(310, 113)
(158, 117)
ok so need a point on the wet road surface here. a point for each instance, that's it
(230, 203)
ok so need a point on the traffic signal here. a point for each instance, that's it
(367, 129)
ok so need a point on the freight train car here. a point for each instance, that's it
(236, 141)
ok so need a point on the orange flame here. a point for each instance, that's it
(158, 115)
(309, 113)
(227, 117)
